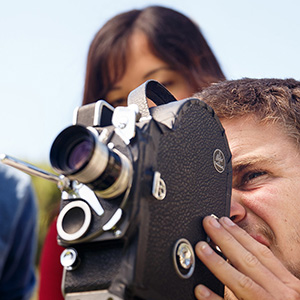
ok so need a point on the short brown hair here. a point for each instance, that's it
(270, 100)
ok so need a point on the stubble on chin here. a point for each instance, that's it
(293, 267)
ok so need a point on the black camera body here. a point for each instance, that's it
(131, 231)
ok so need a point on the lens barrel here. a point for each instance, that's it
(78, 154)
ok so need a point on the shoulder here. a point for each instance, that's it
(14, 184)
(17, 231)
(16, 195)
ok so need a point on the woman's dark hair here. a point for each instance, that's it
(172, 37)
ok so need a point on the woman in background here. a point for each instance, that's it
(153, 43)
(131, 46)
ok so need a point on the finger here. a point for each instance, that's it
(202, 292)
(243, 260)
(263, 253)
(241, 285)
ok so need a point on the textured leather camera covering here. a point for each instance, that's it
(99, 263)
(184, 157)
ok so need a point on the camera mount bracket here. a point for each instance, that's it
(124, 119)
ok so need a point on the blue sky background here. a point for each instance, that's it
(44, 44)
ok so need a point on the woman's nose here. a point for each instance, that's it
(237, 210)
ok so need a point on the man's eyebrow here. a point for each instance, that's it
(157, 70)
(251, 161)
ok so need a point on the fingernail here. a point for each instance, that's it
(206, 249)
(203, 291)
(214, 222)
(228, 222)
(214, 216)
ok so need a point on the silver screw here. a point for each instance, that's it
(69, 259)
(186, 259)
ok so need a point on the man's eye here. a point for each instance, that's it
(251, 176)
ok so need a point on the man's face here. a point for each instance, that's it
(266, 186)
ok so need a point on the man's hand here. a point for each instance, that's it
(253, 272)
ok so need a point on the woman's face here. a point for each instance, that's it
(142, 65)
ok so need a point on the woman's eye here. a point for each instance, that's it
(118, 102)
(167, 83)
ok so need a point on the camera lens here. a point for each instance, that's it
(74, 220)
(78, 154)
(72, 150)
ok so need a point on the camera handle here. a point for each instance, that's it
(154, 91)
(70, 189)
(28, 168)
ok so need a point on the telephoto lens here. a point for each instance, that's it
(78, 154)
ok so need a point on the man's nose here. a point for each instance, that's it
(237, 210)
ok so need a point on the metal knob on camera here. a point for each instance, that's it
(69, 259)
(184, 258)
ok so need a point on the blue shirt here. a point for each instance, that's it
(18, 216)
